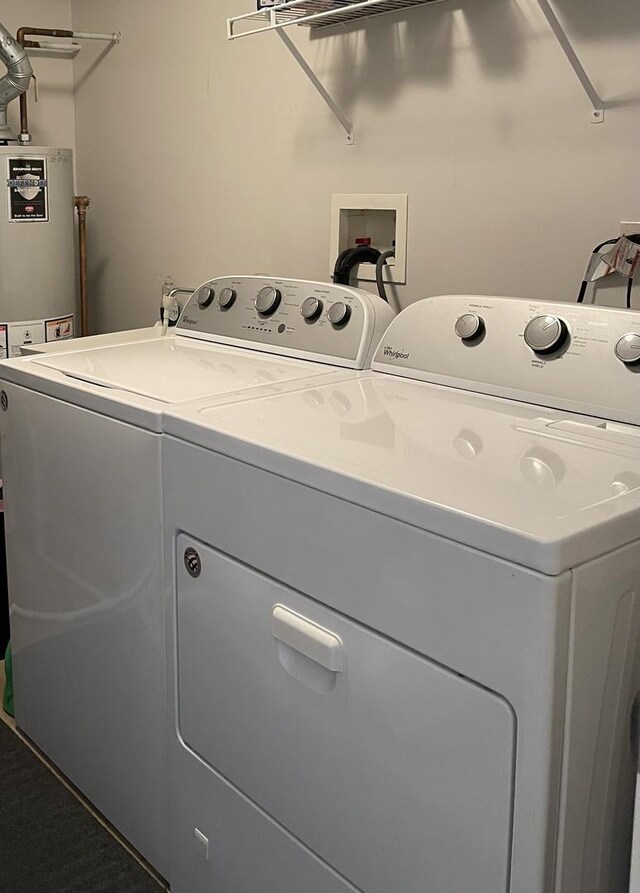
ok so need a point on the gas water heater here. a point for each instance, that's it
(37, 275)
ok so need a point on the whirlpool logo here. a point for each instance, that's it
(393, 354)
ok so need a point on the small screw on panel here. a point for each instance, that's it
(192, 562)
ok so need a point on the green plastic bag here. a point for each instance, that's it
(7, 701)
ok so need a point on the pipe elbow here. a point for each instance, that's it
(19, 70)
(20, 79)
(22, 70)
(15, 82)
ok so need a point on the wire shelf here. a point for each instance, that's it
(314, 14)
(325, 13)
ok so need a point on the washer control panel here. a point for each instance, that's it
(293, 317)
(568, 356)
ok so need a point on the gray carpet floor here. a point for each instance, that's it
(49, 843)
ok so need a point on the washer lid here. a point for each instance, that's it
(544, 488)
(173, 370)
(134, 383)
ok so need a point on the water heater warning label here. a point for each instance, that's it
(16, 335)
(24, 333)
(59, 329)
(27, 188)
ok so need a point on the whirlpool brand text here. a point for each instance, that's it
(394, 354)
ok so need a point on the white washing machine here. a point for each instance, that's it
(81, 445)
(404, 614)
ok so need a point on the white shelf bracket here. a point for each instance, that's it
(597, 113)
(310, 73)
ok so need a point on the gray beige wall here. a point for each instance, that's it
(52, 119)
(205, 156)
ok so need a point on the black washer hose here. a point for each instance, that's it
(350, 258)
(380, 265)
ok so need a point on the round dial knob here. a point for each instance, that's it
(205, 296)
(226, 298)
(311, 308)
(267, 300)
(545, 334)
(628, 349)
(339, 313)
(469, 326)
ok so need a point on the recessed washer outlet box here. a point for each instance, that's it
(381, 218)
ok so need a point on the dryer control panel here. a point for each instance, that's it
(569, 356)
(291, 317)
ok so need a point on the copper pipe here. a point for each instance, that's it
(42, 32)
(24, 124)
(21, 38)
(83, 203)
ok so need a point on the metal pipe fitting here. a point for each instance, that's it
(178, 290)
(16, 81)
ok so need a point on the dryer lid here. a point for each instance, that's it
(544, 488)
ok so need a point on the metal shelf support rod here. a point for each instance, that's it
(587, 85)
(302, 62)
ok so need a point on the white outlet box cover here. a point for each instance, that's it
(396, 269)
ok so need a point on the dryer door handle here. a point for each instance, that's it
(315, 642)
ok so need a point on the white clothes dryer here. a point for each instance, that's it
(404, 613)
(81, 449)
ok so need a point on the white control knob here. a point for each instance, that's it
(339, 314)
(205, 296)
(469, 326)
(226, 298)
(545, 334)
(311, 308)
(628, 349)
(267, 300)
